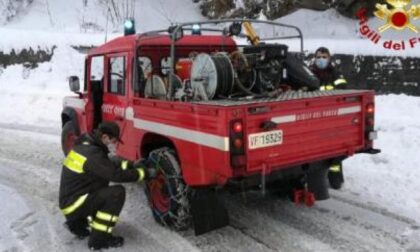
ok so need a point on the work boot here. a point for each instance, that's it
(100, 240)
(79, 228)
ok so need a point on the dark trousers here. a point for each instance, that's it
(107, 201)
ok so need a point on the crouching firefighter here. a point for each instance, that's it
(330, 79)
(85, 197)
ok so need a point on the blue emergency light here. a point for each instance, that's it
(196, 29)
(129, 27)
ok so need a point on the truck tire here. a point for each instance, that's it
(168, 195)
(68, 137)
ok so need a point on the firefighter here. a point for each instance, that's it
(86, 198)
(329, 76)
(330, 79)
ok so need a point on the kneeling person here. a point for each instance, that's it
(84, 187)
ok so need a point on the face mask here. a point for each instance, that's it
(321, 63)
(112, 148)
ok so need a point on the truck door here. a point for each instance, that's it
(115, 98)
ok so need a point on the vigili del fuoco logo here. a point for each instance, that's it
(398, 15)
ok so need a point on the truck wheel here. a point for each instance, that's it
(336, 180)
(68, 137)
(168, 194)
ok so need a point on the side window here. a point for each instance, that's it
(117, 75)
(144, 72)
(146, 66)
(97, 68)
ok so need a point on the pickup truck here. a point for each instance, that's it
(212, 114)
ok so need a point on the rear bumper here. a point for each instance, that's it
(256, 180)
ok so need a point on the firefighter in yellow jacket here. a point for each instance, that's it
(85, 197)
(330, 78)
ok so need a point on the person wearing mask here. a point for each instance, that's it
(330, 78)
(85, 197)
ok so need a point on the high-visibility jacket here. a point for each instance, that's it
(88, 168)
(330, 78)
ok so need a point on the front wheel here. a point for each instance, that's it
(68, 137)
(168, 195)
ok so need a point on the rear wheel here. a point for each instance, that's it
(168, 194)
(335, 176)
(68, 137)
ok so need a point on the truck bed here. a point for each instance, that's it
(286, 96)
(309, 127)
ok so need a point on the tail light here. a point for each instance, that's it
(370, 108)
(237, 149)
(237, 127)
(370, 123)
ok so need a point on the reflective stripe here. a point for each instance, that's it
(340, 82)
(284, 119)
(192, 136)
(349, 110)
(335, 168)
(106, 216)
(100, 227)
(326, 87)
(85, 143)
(141, 174)
(70, 209)
(74, 162)
(124, 165)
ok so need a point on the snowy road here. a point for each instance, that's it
(29, 176)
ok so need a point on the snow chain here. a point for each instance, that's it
(180, 196)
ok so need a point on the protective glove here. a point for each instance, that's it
(148, 167)
(151, 173)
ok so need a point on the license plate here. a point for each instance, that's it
(265, 139)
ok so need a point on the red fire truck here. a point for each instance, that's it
(215, 113)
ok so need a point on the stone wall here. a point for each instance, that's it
(29, 57)
(384, 74)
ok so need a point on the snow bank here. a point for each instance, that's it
(391, 177)
(34, 96)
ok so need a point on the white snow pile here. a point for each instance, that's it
(391, 177)
(44, 23)
(34, 96)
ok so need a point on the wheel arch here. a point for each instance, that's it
(70, 114)
(152, 141)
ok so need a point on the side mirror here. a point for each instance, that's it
(74, 84)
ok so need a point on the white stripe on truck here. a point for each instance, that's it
(293, 118)
(193, 136)
(349, 110)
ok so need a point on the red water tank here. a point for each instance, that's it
(183, 68)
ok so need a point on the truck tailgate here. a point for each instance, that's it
(300, 127)
(304, 129)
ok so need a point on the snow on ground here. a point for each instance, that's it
(391, 177)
